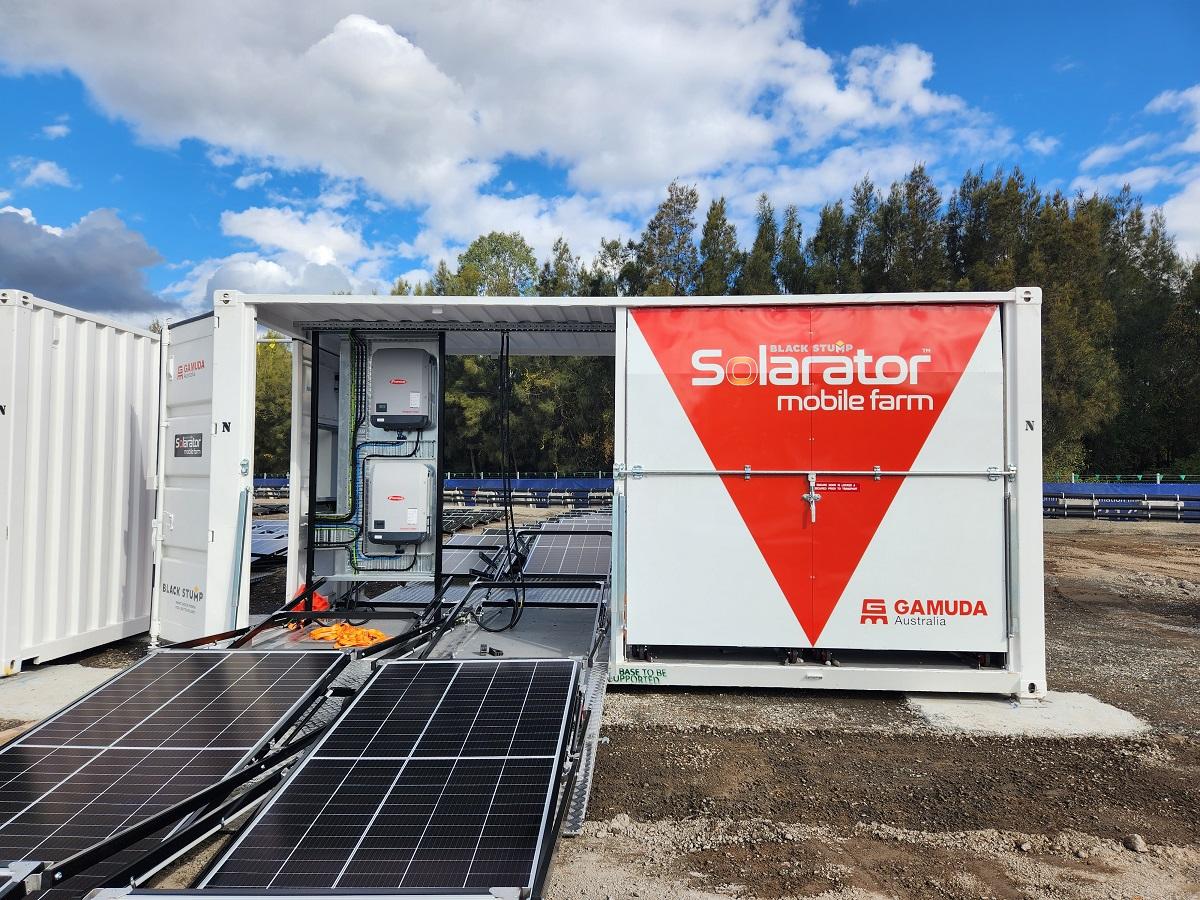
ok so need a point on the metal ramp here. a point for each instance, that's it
(442, 779)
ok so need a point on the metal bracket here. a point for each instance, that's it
(245, 466)
(993, 473)
(637, 472)
(876, 470)
(746, 469)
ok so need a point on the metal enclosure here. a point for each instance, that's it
(399, 501)
(78, 414)
(401, 395)
(847, 476)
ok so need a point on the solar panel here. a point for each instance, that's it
(268, 538)
(441, 776)
(460, 553)
(570, 554)
(155, 734)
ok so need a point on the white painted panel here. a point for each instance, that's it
(186, 529)
(693, 573)
(78, 416)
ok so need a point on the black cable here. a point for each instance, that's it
(510, 566)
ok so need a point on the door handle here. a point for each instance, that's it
(811, 497)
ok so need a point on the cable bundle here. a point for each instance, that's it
(508, 465)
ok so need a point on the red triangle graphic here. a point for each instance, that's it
(840, 420)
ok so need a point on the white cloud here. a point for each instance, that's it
(1042, 144)
(1140, 179)
(40, 172)
(252, 273)
(96, 264)
(4, 195)
(295, 251)
(320, 237)
(404, 103)
(56, 131)
(1188, 104)
(248, 180)
(1109, 153)
(221, 158)
(1183, 217)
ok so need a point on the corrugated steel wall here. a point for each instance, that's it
(77, 458)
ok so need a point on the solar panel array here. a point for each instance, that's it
(440, 777)
(162, 730)
(268, 538)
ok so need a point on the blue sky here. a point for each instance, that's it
(149, 158)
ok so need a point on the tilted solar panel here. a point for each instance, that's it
(570, 554)
(157, 733)
(441, 776)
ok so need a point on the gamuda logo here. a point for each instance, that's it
(875, 610)
(769, 367)
(187, 369)
(395, 497)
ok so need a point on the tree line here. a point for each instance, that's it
(1120, 325)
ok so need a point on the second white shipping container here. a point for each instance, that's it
(78, 443)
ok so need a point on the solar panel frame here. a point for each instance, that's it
(345, 767)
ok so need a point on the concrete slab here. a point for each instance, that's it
(1061, 714)
(35, 693)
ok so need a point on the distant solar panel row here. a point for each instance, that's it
(152, 736)
(440, 777)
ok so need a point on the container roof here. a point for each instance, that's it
(541, 326)
(553, 326)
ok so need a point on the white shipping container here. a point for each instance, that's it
(78, 445)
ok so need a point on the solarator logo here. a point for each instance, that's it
(789, 365)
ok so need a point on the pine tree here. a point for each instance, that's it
(666, 259)
(920, 261)
(827, 250)
(790, 267)
(758, 271)
(719, 254)
(560, 275)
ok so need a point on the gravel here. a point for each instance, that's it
(726, 793)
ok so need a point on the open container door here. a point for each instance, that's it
(201, 583)
(297, 554)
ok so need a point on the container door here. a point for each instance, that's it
(711, 559)
(203, 581)
(914, 558)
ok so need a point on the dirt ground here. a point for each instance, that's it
(702, 794)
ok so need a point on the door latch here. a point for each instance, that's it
(811, 497)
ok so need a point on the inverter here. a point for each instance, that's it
(399, 501)
(401, 398)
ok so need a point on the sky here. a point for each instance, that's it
(153, 153)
